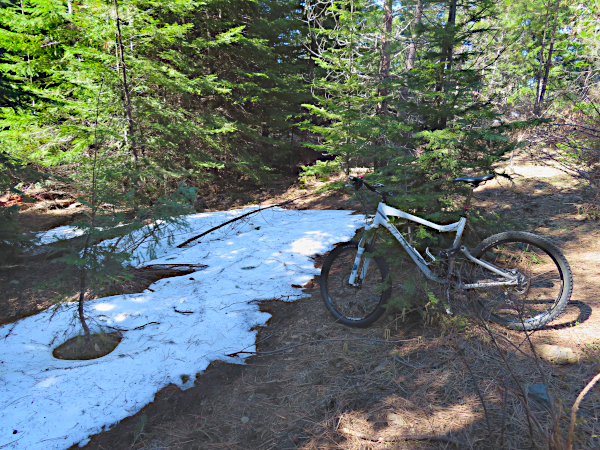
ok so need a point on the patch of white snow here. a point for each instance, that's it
(172, 330)
(59, 233)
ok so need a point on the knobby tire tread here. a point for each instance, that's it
(385, 295)
(557, 256)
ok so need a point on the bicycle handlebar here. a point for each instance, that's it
(358, 182)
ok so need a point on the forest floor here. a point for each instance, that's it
(371, 394)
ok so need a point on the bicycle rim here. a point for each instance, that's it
(358, 305)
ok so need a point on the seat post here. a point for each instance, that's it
(467, 206)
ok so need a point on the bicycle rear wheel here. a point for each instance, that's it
(543, 291)
(360, 305)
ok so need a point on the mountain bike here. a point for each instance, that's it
(517, 279)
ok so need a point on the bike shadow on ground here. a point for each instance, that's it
(585, 312)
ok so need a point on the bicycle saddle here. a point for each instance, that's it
(475, 181)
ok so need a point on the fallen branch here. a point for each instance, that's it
(318, 341)
(174, 266)
(407, 437)
(573, 125)
(575, 408)
(238, 218)
(405, 363)
(145, 325)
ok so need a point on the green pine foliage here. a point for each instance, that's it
(213, 85)
(523, 47)
(438, 123)
(419, 127)
(143, 105)
(140, 103)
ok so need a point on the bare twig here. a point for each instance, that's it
(405, 363)
(575, 408)
(503, 418)
(522, 396)
(125, 86)
(407, 437)
(318, 341)
(240, 217)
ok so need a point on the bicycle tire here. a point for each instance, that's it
(354, 306)
(547, 281)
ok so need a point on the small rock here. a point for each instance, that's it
(556, 354)
(382, 366)
(395, 419)
(538, 393)
(96, 347)
(245, 419)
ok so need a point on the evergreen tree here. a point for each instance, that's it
(138, 99)
(189, 88)
(537, 53)
(424, 120)
(87, 120)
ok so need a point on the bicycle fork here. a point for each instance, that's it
(363, 273)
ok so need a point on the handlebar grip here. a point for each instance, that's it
(358, 182)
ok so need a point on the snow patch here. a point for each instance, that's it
(59, 233)
(174, 329)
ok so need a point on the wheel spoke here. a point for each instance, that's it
(358, 304)
(540, 287)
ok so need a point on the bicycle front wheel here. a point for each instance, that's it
(358, 305)
(545, 284)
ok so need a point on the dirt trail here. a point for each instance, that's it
(550, 203)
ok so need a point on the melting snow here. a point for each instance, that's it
(47, 403)
(58, 233)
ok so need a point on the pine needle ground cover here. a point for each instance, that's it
(171, 331)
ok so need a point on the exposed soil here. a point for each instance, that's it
(95, 346)
(407, 380)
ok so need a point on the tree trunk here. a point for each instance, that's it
(82, 277)
(543, 83)
(83, 268)
(125, 87)
(449, 50)
(449, 57)
(541, 66)
(311, 61)
(386, 57)
(412, 49)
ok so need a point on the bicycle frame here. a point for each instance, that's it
(381, 219)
